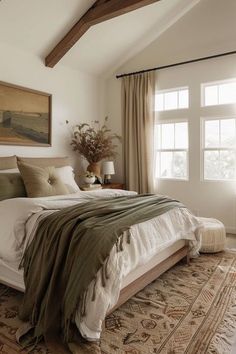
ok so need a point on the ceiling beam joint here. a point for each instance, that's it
(102, 10)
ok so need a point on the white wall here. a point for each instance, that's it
(74, 98)
(201, 32)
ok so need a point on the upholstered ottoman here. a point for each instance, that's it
(213, 236)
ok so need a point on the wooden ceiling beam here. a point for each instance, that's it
(102, 10)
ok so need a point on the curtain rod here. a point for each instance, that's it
(177, 64)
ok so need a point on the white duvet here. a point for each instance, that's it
(18, 220)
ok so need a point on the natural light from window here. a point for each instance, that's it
(221, 92)
(172, 99)
(171, 150)
(219, 149)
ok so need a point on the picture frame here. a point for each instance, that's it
(25, 116)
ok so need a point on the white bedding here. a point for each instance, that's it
(18, 218)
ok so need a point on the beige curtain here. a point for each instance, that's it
(138, 93)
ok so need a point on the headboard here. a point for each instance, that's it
(8, 162)
(45, 161)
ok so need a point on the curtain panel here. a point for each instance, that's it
(138, 93)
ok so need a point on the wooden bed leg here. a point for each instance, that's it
(187, 257)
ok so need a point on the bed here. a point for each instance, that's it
(156, 245)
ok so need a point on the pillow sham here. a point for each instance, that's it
(65, 173)
(7, 162)
(41, 182)
(67, 176)
(11, 186)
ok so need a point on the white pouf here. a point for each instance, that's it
(213, 236)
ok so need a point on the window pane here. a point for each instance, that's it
(181, 135)
(167, 136)
(228, 130)
(171, 100)
(180, 164)
(212, 133)
(157, 163)
(227, 93)
(157, 136)
(228, 164)
(166, 164)
(212, 165)
(159, 102)
(211, 95)
(183, 99)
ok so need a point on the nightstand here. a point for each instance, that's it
(113, 186)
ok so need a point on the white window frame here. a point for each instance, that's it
(175, 89)
(215, 83)
(173, 121)
(203, 148)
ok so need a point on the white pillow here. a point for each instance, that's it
(66, 175)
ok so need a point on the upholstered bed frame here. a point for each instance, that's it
(10, 162)
(136, 280)
(132, 283)
(145, 274)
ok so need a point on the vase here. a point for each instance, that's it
(89, 180)
(95, 168)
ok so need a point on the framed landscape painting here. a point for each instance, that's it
(25, 116)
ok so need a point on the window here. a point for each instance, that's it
(221, 92)
(171, 150)
(172, 99)
(219, 149)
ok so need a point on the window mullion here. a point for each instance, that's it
(174, 135)
(235, 135)
(219, 149)
(170, 150)
(161, 136)
(220, 133)
(172, 165)
(219, 163)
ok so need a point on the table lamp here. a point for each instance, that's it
(108, 170)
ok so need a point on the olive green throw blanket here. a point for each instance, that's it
(69, 248)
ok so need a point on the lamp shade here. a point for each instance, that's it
(108, 168)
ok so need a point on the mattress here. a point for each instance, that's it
(163, 254)
(11, 276)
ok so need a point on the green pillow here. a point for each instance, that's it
(11, 186)
(41, 181)
(8, 162)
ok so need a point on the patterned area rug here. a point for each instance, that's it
(189, 309)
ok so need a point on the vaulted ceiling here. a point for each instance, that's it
(37, 26)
